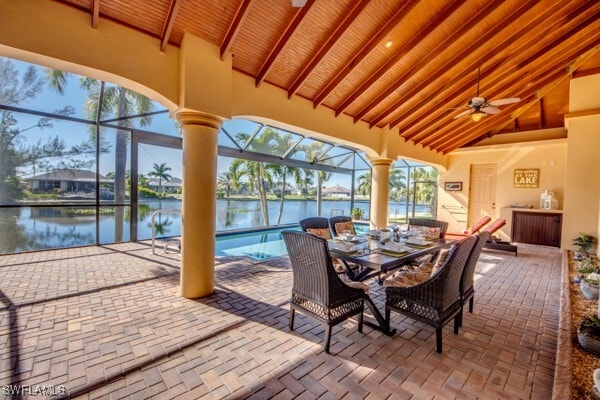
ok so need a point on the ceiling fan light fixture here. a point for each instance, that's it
(476, 116)
(298, 3)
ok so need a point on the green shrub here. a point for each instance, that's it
(146, 193)
(588, 265)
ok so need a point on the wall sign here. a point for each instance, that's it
(453, 186)
(526, 178)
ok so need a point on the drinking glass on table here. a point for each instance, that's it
(347, 234)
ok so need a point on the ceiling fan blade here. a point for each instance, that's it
(462, 114)
(490, 110)
(501, 102)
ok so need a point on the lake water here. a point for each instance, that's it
(36, 228)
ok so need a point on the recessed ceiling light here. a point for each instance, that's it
(389, 44)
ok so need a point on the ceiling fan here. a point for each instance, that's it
(479, 107)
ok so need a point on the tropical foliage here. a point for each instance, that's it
(161, 171)
(17, 89)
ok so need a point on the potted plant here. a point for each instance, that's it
(356, 213)
(588, 334)
(588, 265)
(584, 243)
(590, 286)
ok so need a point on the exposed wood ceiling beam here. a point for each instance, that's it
(289, 31)
(587, 72)
(522, 84)
(439, 49)
(366, 49)
(524, 87)
(461, 135)
(453, 139)
(546, 81)
(506, 40)
(234, 27)
(95, 13)
(168, 26)
(399, 54)
(329, 43)
(548, 88)
(432, 113)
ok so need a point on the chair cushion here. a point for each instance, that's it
(445, 255)
(439, 262)
(323, 233)
(355, 284)
(406, 278)
(340, 227)
(338, 266)
(427, 231)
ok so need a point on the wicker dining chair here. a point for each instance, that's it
(436, 300)
(467, 281)
(314, 223)
(344, 221)
(431, 223)
(317, 291)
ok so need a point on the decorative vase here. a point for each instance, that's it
(589, 291)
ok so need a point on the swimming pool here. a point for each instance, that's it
(260, 244)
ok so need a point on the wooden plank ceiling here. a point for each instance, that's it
(410, 65)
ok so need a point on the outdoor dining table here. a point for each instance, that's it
(377, 262)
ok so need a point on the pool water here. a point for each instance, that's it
(260, 245)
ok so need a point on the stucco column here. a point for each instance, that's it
(200, 132)
(380, 189)
(582, 181)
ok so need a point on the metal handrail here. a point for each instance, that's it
(154, 214)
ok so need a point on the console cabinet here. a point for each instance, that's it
(537, 228)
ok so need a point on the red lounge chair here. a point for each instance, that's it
(494, 226)
(496, 244)
(473, 229)
(477, 226)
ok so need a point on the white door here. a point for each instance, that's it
(482, 193)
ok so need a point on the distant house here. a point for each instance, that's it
(336, 191)
(69, 181)
(171, 186)
(277, 188)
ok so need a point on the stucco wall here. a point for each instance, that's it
(549, 157)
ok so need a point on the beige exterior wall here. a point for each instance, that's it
(548, 156)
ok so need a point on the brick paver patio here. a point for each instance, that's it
(106, 322)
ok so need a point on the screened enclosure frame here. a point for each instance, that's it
(240, 141)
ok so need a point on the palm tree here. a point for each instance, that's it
(424, 194)
(364, 183)
(255, 172)
(303, 178)
(117, 102)
(225, 181)
(284, 142)
(313, 151)
(161, 172)
(397, 184)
